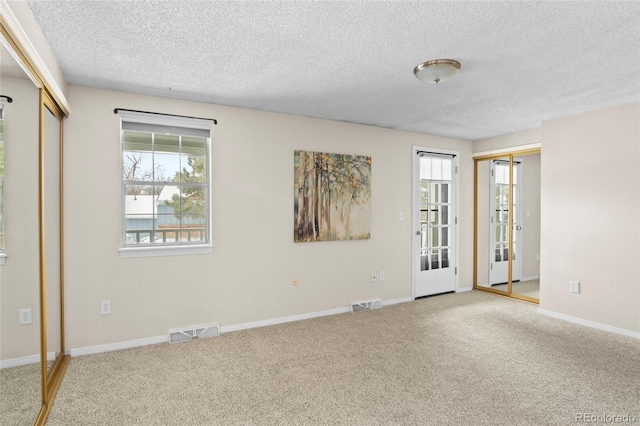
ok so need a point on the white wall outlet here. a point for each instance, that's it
(400, 216)
(574, 286)
(105, 307)
(373, 278)
(24, 316)
(381, 275)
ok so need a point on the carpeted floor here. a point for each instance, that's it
(529, 288)
(20, 394)
(456, 359)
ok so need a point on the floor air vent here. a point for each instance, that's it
(200, 332)
(366, 305)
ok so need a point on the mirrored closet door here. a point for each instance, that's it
(20, 332)
(507, 224)
(32, 353)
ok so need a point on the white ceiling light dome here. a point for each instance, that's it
(437, 71)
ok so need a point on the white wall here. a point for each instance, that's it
(590, 228)
(247, 277)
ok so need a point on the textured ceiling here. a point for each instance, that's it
(522, 62)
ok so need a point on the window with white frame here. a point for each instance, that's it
(165, 182)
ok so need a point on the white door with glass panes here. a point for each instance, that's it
(435, 220)
(499, 226)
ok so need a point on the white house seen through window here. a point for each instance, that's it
(165, 181)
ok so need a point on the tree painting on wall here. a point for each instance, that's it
(332, 197)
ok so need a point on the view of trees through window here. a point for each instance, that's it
(165, 188)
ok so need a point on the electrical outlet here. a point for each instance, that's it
(373, 278)
(24, 316)
(381, 275)
(105, 307)
(574, 286)
(400, 216)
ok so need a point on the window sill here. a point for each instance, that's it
(127, 252)
(3, 257)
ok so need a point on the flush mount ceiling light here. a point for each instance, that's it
(437, 71)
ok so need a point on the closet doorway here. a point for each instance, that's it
(507, 224)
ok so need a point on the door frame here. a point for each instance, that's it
(415, 207)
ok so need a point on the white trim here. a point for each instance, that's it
(165, 120)
(282, 320)
(90, 350)
(507, 150)
(592, 324)
(129, 252)
(463, 289)
(3, 258)
(18, 362)
(396, 301)
(32, 53)
(25, 360)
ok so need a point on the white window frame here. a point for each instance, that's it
(166, 249)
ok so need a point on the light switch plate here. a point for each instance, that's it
(574, 286)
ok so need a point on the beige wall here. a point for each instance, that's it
(530, 215)
(247, 277)
(507, 141)
(591, 216)
(484, 217)
(575, 195)
(19, 280)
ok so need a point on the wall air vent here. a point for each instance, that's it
(367, 305)
(192, 333)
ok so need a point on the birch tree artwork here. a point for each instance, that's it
(332, 197)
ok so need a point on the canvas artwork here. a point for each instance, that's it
(332, 197)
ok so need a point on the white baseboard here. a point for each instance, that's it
(589, 323)
(223, 329)
(463, 289)
(25, 360)
(89, 350)
(20, 361)
(396, 301)
(531, 278)
(282, 320)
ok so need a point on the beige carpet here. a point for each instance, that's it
(20, 394)
(459, 359)
(529, 288)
